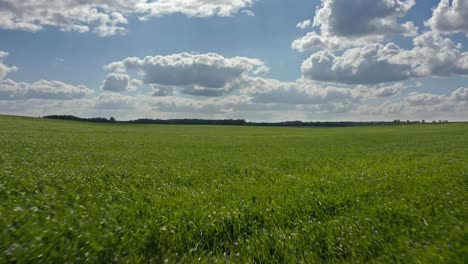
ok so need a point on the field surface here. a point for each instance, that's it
(81, 192)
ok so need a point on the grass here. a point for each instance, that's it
(82, 192)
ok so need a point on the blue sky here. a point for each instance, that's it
(79, 58)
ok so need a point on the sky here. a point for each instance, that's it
(259, 60)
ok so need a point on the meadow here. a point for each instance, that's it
(73, 192)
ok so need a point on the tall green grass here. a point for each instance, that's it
(82, 192)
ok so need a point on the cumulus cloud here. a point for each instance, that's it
(105, 104)
(422, 105)
(186, 105)
(200, 8)
(162, 91)
(432, 55)
(304, 96)
(49, 90)
(313, 41)
(4, 70)
(424, 99)
(384, 109)
(263, 90)
(212, 75)
(344, 23)
(319, 101)
(367, 65)
(381, 91)
(460, 94)
(261, 94)
(304, 24)
(220, 106)
(197, 74)
(105, 17)
(102, 17)
(116, 82)
(362, 18)
(205, 91)
(113, 101)
(455, 103)
(450, 17)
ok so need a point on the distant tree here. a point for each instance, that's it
(423, 121)
(236, 122)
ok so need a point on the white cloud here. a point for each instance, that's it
(362, 18)
(113, 101)
(434, 55)
(104, 105)
(384, 109)
(460, 94)
(341, 102)
(367, 65)
(4, 70)
(457, 100)
(262, 90)
(197, 74)
(424, 99)
(248, 12)
(161, 91)
(304, 24)
(200, 8)
(381, 91)
(105, 17)
(437, 106)
(450, 17)
(134, 84)
(376, 63)
(50, 90)
(344, 23)
(260, 94)
(116, 82)
(186, 105)
(235, 88)
(212, 75)
(221, 106)
(102, 17)
(313, 41)
(426, 106)
(268, 100)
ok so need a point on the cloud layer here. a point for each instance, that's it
(104, 17)
(47, 90)
(355, 70)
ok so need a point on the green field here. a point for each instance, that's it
(77, 192)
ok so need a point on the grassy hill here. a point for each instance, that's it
(75, 192)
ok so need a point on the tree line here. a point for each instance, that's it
(238, 122)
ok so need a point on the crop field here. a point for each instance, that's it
(111, 193)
